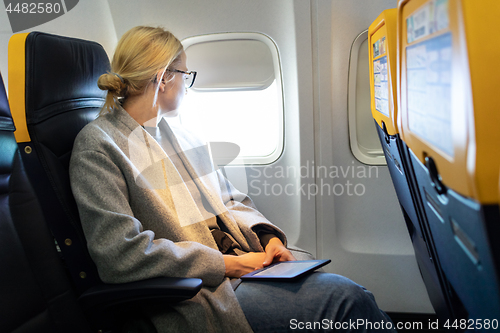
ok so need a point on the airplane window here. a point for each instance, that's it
(237, 96)
(246, 118)
(365, 144)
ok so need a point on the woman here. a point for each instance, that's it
(151, 205)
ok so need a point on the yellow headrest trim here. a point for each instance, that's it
(17, 82)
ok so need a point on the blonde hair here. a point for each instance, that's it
(140, 54)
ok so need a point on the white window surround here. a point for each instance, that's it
(243, 75)
(364, 141)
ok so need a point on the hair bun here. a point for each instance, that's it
(113, 83)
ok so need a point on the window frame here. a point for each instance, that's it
(273, 48)
(373, 157)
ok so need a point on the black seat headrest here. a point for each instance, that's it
(50, 61)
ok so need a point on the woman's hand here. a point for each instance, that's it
(276, 251)
(236, 266)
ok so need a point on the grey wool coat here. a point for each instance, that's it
(140, 220)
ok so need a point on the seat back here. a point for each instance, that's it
(382, 38)
(53, 93)
(449, 121)
(36, 293)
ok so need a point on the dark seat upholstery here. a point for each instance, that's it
(53, 95)
(36, 294)
(60, 97)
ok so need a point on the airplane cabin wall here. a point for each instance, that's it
(365, 235)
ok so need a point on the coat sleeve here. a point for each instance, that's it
(122, 250)
(243, 210)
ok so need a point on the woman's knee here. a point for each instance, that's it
(346, 295)
(338, 284)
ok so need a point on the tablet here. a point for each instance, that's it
(286, 270)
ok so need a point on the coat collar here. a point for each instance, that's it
(124, 117)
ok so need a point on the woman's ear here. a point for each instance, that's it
(160, 79)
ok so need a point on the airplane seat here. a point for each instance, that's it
(454, 143)
(49, 110)
(37, 295)
(53, 94)
(382, 37)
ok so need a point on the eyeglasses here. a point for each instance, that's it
(189, 77)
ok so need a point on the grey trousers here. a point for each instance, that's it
(319, 302)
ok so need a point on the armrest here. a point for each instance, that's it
(166, 289)
(107, 306)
